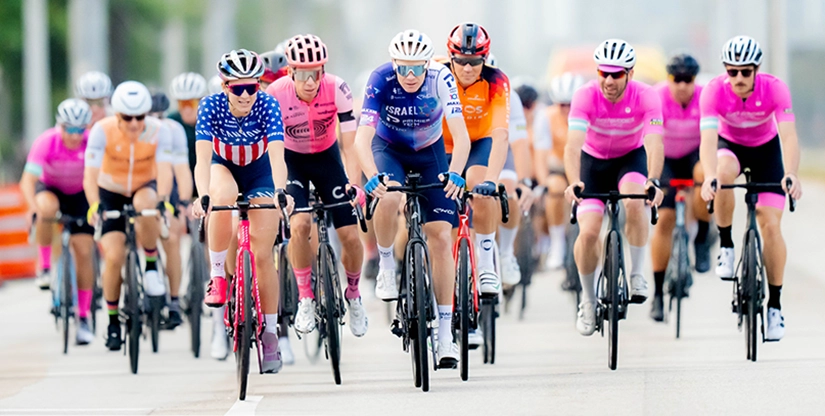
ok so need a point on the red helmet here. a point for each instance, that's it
(469, 39)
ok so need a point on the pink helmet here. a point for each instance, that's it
(304, 51)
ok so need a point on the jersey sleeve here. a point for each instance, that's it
(707, 107)
(653, 121)
(542, 137)
(96, 147)
(518, 121)
(448, 94)
(203, 127)
(579, 116)
(180, 147)
(275, 124)
(164, 152)
(371, 109)
(38, 155)
(500, 101)
(782, 100)
(343, 104)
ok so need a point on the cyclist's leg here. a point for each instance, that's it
(510, 272)
(47, 206)
(82, 245)
(173, 265)
(555, 212)
(699, 208)
(633, 174)
(299, 250)
(113, 241)
(662, 238)
(728, 168)
(148, 231)
(596, 174)
(385, 219)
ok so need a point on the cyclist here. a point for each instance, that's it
(614, 143)
(215, 85)
(311, 100)
(179, 198)
(680, 107)
(187, 89)
(275, 67)
(53, 181)
(742, 112)
(549, 139)
(95, 88)
(240, 148)
(128, 156)
(400, 131)
(484, 92)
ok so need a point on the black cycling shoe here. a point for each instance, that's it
(113, 341)
(657, 310)
(173, 321)
(702, 252)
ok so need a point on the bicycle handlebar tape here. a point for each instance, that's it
(505, 204)
(282, 203)
(654, 210)
(202, 222)
(574, 212)
(713, 185)
(791, 201)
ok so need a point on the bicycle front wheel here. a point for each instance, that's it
(751, 297)
(329, 307)
(197, 276)
(65, 294)
(683, 271)
(133, 321)
(244, 334)
(611, 273)
(465, 306)
(421, 297)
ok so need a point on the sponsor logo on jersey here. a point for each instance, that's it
(655, 122)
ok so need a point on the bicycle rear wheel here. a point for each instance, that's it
(133, 321)
(465, 306)
(421, 297)
(329, 307)
(611, 273)
(65, 295)
(197, 277)
(488, 319)
(751, 294)
(97, 293)
(244, 334)
(155, 304)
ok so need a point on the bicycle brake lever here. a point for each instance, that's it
(505, 203)
(573, 212)
(713, 185)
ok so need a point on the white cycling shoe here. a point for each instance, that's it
(358, 322)
(447, 354)
(638, 289)
(726, 263)
(286, 351)
(386, 287)
(510, 271)
(586, 318)
(153, 283)
(305, 316)
(489, 283)
(776, 325)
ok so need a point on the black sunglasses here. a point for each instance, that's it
(474, 61)
(128, 119)
(745, 72)
(238, 89)
(687, 79)
(614, 75)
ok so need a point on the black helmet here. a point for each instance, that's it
(527, 94)
(683, 64)
(160, 102)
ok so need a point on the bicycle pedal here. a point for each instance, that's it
(396, 329)
(728, 279)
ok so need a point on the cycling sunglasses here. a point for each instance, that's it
(474, 61)
(614, 75)
(74, 129)
(238, 89)
(305, 75)
(97, 102)
(745, 72)
(687, 79)
(188, 103)
(129, 119)
(416, 70)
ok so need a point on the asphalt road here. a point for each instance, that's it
(543, 365)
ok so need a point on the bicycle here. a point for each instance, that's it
(525, 257)
(329, 310)
(198, 276)
(244, 317)
(678, 278)
(749, 279)
(611, 296)
(415, 308)
(136, 304)
(466, 298)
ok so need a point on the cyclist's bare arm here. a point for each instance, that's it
(573, 155)
(350, 156)
(203, 153)
(521, 157)
(655, 150)
(461, 145)
(498, 154)
(276, 159)
(183, 176)
(707, 156)
(28, 183)
(90, 188)
(363, 148)
(790, 155)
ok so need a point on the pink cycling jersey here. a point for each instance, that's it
(751, 122)
(613, 130)
(681, 132)
(310, 127)
(54, 164)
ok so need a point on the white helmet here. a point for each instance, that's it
(742, 50)
(131, 98)
(93, 85)
(411, 45)
(74, 112)
(240, 64)
(563, 87)
(215, 85)
(188, 86)
(615, 52)
(490, 60)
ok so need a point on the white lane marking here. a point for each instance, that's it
(246, 407)
(102, 411)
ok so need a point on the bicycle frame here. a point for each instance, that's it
(464, 234)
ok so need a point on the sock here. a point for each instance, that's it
(506, 238)
(304, 279)
(557, 234)
(702, 232)
(45, 257)
(588, 287)
(774, 292)
(151, 258)
(542, 246)
(445, 323)
(84, 302)
(659, 279)
(386, 259)
(352, 291)
(271, 323)
(725, 240)
(484, 253)
(174, 305)
(637, 260)
(218, 259)
(111, 308)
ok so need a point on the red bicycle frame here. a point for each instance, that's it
(464, 234)
(679, 185)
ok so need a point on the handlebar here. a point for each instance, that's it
(615, 196)
(752, 186)
(407, 189)
(243, 205)
(353, 201)
(501, 195)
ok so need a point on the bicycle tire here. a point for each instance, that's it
(65, 295)
(421, 299)
(244, 332)
(611, 272)
(406, 306)
(682, 269)
(97, 291)
(133, 322)
(155, 305)
(751, 294)
(329, 307)
(197, 277)
(289, 287)
(488, 319)
(465, 306)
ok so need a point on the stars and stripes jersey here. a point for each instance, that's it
(239, 140)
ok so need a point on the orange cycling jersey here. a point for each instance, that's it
(485, 105)
(127, 165)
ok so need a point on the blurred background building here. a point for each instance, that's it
(48, 43)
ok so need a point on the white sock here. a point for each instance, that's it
(217, 320)
(445, 323)
(386, 258)
(542, 246)
(557, 234)
(637, 260)
(506, 238)
(484, 251)
(588, 287)
(218, 259)
(271, 323)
